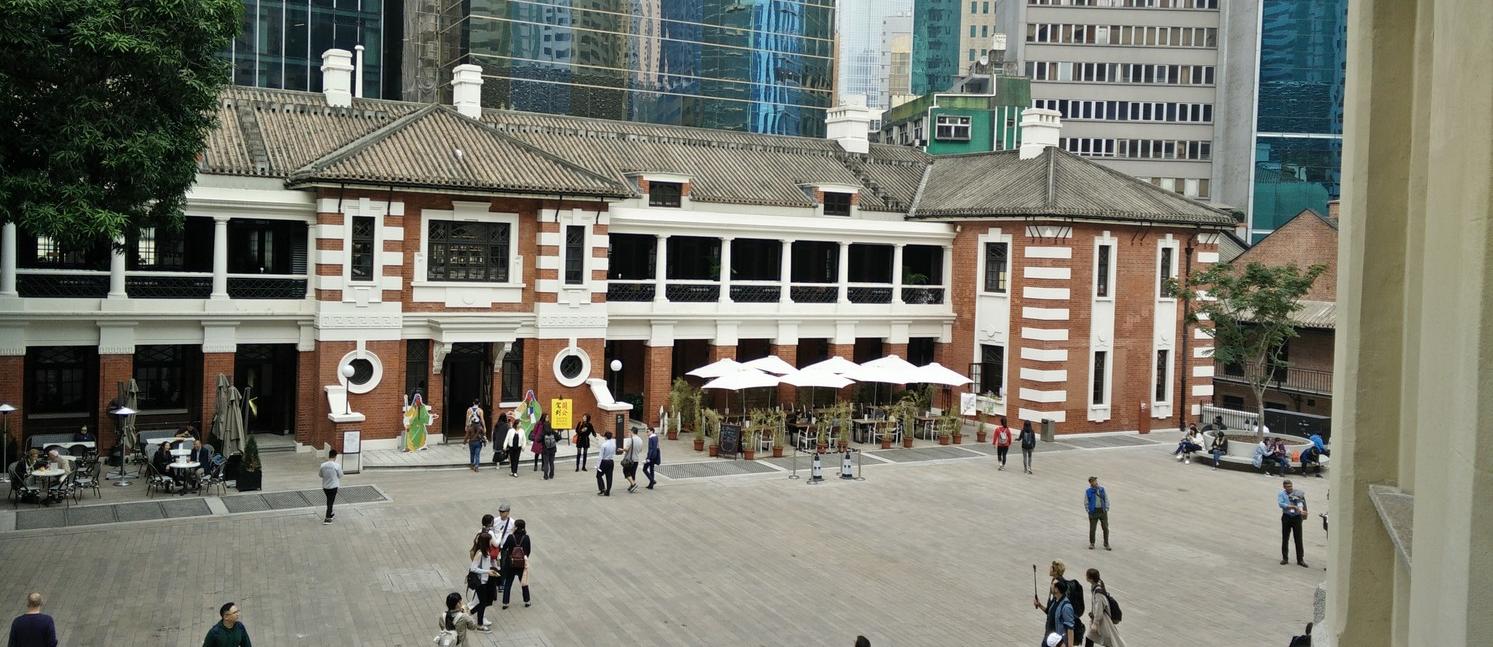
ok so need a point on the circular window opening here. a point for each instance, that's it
(362, 371)
(571, 367)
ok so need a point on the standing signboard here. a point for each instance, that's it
(352, 451)
(730, 440)
(560, 413)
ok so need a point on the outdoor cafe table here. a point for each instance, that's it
(869, 425)
(925, 424)
(47, 474)
(184, 471)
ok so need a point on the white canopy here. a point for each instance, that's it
(808, 378)
(893, 363)
(837, 365)
(724, 366)
(772, 364)
(868, 373)
(749, 378)
(936, 373)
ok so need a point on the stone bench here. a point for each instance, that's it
(1242, 452)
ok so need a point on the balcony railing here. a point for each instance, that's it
(814, 293)
(62, 284)
(692, 292)
(756, 293)
(922, 295)
(266, 286)
(168, 285)
(630, 291)
(869, 294)
(1282, 378)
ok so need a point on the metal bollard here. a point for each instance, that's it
(816, 471)
(794, 473)
(845, 469)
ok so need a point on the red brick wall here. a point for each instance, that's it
(112, 369)
(1302, 241)
(788, 354)
(381, 406)
(310, 398)
(547, 388)
(12, 383)
(212, 365)
(658, 364)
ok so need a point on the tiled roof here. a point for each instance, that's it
(1230, 247)
(437, 146)
(1316, 314)
(1053, 184)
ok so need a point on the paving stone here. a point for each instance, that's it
(245, 503)
(1112, 440)
(89, 515)
(286, 500)
(354, 494)
(139, 512)
(179, 508)
(923, 454)
(720, 467)
(43, 518)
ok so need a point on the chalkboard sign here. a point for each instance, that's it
(730, 440)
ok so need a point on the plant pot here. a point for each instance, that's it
(907, 442)
(821, 447)
(943, 440)
(958, 439)
(777, 451)
(841, 446)
(250, 481)
(673, 434)
(749, 454)
(713, 450)
(980, 436)
(699, 444)
(886, 443)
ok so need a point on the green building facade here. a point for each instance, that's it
(954, 124)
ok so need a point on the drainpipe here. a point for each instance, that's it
(1184, 396)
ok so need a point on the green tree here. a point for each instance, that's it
(106, 105)
(1251, 311)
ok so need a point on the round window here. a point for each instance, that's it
(362, 371)
(367, 371)
(571, 367)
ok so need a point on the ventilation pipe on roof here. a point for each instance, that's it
(1039, 130)
(358, 71)
(337, 77)
(466, 90)
(848, 124)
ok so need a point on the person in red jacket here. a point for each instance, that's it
(1002, 443)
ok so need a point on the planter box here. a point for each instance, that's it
(713, 450)
(250, 481)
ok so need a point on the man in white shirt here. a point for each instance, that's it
(331, 479)
(503, 525)
(630, 456)
(604, 466)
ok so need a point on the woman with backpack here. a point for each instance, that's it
(1028, 441)
(455, 622)
(549, 439)
(516, 552)
(1104, 616)
(1002, 443)
(482, 577)
(476, 433)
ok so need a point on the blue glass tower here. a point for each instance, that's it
(280, 42)
(1299, 111)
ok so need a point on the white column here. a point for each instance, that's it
(310, 261)
(844, 272)
(725, 296)
(948, 274)
(660, 270)
(785, 275)
(220, 257)
(116, 269)
(897, 273)
(8, 261)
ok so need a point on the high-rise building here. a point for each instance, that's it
(764, 66)
(862, 45)
(977, 30)
(280, 42)
(1133, 79)
(896, 62)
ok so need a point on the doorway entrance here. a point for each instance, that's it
(265, 375)
(466, 375)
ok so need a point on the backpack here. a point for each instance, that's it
(1029, 441)
(517, 557)
(549, 442)
(1073, 590)
(447, 635)
(1114, 607)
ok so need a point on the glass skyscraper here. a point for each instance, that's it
(935, 51)
(863, 54)
(280, 42)
(756, 65)
(1299, 111)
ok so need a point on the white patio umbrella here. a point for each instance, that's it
(718, 368)
(893, 363)
(880, 374)
(815, 379)
(772, 364)
(837, 365)
(742, 379)
(935, 373)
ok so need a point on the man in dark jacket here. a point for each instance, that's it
(229, 632)
(499, 432)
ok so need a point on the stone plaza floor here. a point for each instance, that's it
(934, 547)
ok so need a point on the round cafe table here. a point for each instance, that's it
(47, 474)
(184, 472)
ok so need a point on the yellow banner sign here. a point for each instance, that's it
(560, 413)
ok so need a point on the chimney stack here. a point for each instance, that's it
(1039, 130)
(337, 77)
(849, 123)
(466, 90)
(358, 72)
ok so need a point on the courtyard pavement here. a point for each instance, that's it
(934, 547)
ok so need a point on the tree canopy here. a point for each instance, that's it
(106, 105)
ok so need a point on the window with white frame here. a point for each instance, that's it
(997, 265)
(951, 128)
(468, 251)
(1163, 375)
(1101, 362)
(1102, 265)
(836, 203)
(363, 253)
(575, 254)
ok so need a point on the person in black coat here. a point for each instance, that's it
(583, 433)
(514, 569)
(1028, 440)
(499, 433)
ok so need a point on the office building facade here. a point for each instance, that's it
(280, 42)
(763, 67)
(949, 35)
(863, 53)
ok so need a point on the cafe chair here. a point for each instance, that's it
(20, 490)
(87, 477)
(156, 481)
(213, 476)
(63, 489)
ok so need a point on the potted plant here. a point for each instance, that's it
(684, 401)
(779, 437)
(709, 420)
(947, 425)
(749, 435)
(979, 424)
(249, 477)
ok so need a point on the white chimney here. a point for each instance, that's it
(466, 90)
(1039, 130)
(848, 124)
(337, 77)
(358, 72)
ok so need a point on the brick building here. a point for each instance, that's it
(473, 254)
(1303, 382)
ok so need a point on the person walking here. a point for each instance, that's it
(631, 450)
(1096, 502)
(514, 445)
(502, 526)
(476, 433)
(583, 434)
(653, 458)
(604, 465)
(499, 435)
(1059, 629)
(1028, 441)
(551, 442)
(456, 621)
(1292, 504)
(228, 632)
(1102, 629)
(536, 439)
(33, 628)
(331, 480)
(516, 552)
(1002, 443)
(482, 577)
